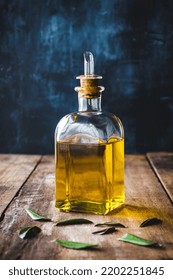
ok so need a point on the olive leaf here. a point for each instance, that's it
(150, 222)
(105, 231)
(35, 216)
(28, 232)
(73, 222)
(111, 224)
(130, 238)
(74, 245)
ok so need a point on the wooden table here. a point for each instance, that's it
(27, 181)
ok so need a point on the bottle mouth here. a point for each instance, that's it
(89, 87)
(89, 82)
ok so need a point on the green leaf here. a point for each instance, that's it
(105, 231)
(28, 232)
(130, 238)
(73, 222)
(114, 224)
(35, 216)
(150, 222)
(74, 245)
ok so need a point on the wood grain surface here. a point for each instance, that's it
(14, 171)
(145, 198)
(162, 164)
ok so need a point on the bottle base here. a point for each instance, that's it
(98, 208)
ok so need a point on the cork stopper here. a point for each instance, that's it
(89, 82)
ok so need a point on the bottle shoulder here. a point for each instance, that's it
(100, 125)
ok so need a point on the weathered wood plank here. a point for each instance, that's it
(145, 197)
(14, 170)
(162, 164)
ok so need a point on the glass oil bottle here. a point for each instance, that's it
(89, 152)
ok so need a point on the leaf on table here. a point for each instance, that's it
(74, 245)
(114, 224)
(105, 231)
(130, 238)
(28, 232)
(150, 222)
(73, 222)
(35, 216)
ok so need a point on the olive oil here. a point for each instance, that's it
(89, 176)
(89, 152)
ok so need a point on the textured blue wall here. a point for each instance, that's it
(41, 46)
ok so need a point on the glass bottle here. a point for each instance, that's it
(89, 152)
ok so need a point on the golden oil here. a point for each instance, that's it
(89, 152)
(89, 176)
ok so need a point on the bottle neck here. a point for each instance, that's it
(89, 104)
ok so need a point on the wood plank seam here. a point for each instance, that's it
(145, 198)
(19, 190)
(158, 176)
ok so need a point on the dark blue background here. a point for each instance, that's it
(41, 46)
